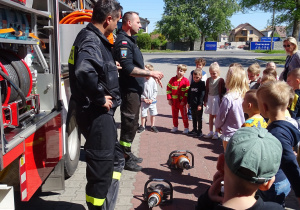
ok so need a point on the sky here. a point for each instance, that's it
(153, 10)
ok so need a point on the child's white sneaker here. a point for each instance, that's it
(215, 136)
(185, 131)
(174, 129)
(209, 135)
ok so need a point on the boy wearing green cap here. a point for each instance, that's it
(251, 160)
(273, 100)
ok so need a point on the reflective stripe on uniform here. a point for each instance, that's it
(174, 87)
(174, 96)
(169, 85)
(116, 175)
(125, 144)
(72, 56)
(169, 92)
(293, 105)
(95, 201)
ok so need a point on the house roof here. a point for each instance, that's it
(145, 20)
(241, 27)
(281, 30)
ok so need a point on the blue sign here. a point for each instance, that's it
(210, 46)
(261, 45)
(268, 39)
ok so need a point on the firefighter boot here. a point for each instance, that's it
(131, 165)
(135, 158)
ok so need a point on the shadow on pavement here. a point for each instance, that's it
(223, 61)
(37, 203)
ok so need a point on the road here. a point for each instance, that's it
(73, 197)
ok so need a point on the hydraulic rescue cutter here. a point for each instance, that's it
(179, 159)
(160, 191)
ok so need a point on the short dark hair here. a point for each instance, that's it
(127, 16)
(104, 8)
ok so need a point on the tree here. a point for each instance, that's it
(178, 21)
(187, 20)
(287, 11)
(215, 18)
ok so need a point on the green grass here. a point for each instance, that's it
(270, 52)
(160, 51)
(275, 59)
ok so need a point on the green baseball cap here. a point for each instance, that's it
(254, 149)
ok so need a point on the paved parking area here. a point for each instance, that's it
(155, 148)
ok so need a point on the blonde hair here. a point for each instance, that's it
(251, 97)
(198, 72)
(254, 68)
(183, 67)
(236, 80)
(268, 78)
(201, 61)
(295, 73)
(270, 71)
(276, 94)
(236, 64)
(215, 67)
(293, 41)
(150, 67)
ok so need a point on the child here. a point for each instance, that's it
(267, 78)
(196, 95)
(273, 99)
(293, 79)
(148, 101)
(253, 75)
(271, 71)
(250, 107)
(231, 116)
(177, 91)
(271, 65)
(244, 172)
(200, 63)
(215, 89)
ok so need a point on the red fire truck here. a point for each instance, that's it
(39, 141)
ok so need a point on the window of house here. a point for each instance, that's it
(244, 33)
(224, 38)
(251, 31)
(250, 39)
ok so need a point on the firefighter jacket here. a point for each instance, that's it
(177, 89)
(128, 54)
(93, 72)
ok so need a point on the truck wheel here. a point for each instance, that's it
(72, 142)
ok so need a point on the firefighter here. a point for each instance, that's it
(127, 53)
(95, 89)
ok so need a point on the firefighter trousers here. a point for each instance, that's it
(175, 110)
(102, 154)
(130, 111)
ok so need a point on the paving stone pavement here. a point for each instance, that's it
(155, 149)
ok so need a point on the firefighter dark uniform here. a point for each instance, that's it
(94, 75)
(127, 53)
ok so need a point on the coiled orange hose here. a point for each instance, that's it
(82, 16)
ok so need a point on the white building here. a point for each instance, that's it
(144, 22)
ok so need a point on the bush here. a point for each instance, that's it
(144, 41)
(155, 44)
